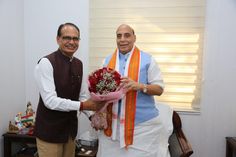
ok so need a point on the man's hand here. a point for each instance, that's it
(130, 84)
(93, 105)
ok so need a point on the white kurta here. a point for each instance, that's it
(150, 138)
(43, 74)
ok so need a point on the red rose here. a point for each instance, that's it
(104, 81)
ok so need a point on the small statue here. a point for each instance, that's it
(18, 122)
(12, 128)
(29, 109)
(29, 118)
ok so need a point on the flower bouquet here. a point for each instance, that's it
(104, 85)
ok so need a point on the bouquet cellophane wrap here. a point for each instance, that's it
(104, 85)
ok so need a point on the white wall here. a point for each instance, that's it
(206, 132)
(12, 63)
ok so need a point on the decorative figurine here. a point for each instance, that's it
(28, 119)
(18, 122)
(12, 128)
(29, 109)
(23, 124)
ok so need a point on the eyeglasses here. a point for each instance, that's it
(68, 38)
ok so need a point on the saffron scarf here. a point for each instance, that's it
(127, 116)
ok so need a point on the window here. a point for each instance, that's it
(170, 30)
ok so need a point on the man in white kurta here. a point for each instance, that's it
(136, 127)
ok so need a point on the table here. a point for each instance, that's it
(10, 138)
(230, 146)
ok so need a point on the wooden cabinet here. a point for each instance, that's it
(230, 146)
(9, 139)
